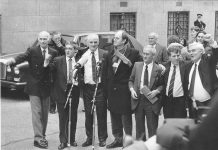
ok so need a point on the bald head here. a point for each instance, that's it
(92, 41)
(152, 38)
(43, 39)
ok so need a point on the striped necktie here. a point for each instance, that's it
(94, 72)
(170, 91)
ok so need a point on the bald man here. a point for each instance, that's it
(93, 59)
(38, 85)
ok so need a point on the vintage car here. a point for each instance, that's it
(14, 77)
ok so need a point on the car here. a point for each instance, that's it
(14, 78)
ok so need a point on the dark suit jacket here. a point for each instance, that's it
(207, 72)
(201, 24)
(155, 83)
(38, 80)
(182, 65)
(161, 54)
(59, 70)
(117, 83)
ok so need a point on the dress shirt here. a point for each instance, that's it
(150, 67)
(199, 93)
(177, 87)
(75, 82)
(86, 61)
(46, 51)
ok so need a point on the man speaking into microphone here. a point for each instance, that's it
(65, 76)
(93, 75)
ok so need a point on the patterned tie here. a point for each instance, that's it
(70, 70)
(43, 53)
(170, 90)
(94, 72)
(146, 75)
(192, 84)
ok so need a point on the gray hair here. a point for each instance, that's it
(44, 33)
(154, 35)
(150, 48)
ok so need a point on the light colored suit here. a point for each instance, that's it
(142, 106)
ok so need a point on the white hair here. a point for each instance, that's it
(196, 45)
(44, 33)
(154, 35)
(150, 48)
(92, 36)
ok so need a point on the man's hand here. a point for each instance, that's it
(10, 61)
(47, 60)
(133, 93)
(152, 94)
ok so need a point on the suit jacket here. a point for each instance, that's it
(207, 72)
(201, 24)
(161, 54)
(155, 83)
(38, 79)
(182, 65)
(59, 70)
(117, 90)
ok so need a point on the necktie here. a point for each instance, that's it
(94, 75)
(191, 88)
(43, 54)
(70, 73)
(170, 90)
(146, 75)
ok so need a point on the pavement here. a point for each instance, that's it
(17, 132)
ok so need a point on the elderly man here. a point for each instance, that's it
(200, 76)
(145, 85)
(93, 60)
(38, 85)
(119, 63)
(161, 52)
(174, 105)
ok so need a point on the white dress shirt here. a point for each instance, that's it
(86, 61)
(199, 93)
(75, 82)
(177, 87)
(46, 51)
(150, 67)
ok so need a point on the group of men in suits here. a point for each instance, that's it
(120, 80)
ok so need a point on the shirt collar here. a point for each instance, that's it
(149, 65)
(44, 49)
(95, 52)
(198, 62)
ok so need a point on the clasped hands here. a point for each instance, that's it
(150, 95)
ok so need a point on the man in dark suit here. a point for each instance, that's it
(92, 61)
(64, 78)
(199, 23)
(38, 85)
(161, 52)
(57, 43)
(200, 77)
(119, 63)
(146, 74)
(174, 105)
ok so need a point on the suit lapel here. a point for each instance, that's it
(64, 66)
(167, 72)
(140, 68)
(153, 75)
(39, 53)
(182, 70)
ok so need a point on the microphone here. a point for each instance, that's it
(98, 67)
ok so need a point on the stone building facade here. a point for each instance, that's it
(21, 20)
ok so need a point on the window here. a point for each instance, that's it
(178, 24)
(216, 26)
(124, 21)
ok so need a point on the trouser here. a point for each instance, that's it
(52, 104)
(143, 109)
(40, 109)
(64, 117)
(120, 122)
(101, 111)
(174, 107)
